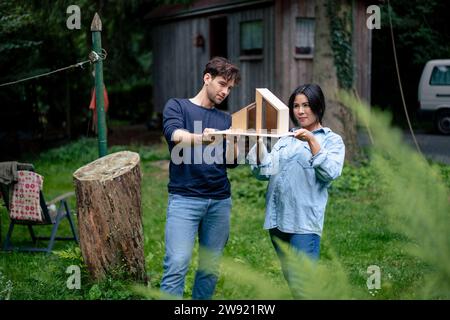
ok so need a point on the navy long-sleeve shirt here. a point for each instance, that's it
(191, 174)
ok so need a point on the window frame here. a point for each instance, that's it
(297, 34)
(436, 67)
(250, 56)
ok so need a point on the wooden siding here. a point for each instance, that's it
(257, 73)
(291, 71)
(178, 64)
(362, 50)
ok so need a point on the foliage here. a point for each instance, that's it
(416, 200)
(82, 150)
(115, 286)
(73, 254)
(14, 19)
(417, 22)
(247, 188)
(57, 105)
(421, 33)
(85, 150)
(6, 287)
(341, 25)
(364, 179)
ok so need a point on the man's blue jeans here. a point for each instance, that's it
(187, 216)
(305, 243)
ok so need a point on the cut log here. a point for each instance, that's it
(108, 192)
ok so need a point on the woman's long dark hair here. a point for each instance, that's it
(315, 97)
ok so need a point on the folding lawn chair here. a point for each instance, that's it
(49, 217)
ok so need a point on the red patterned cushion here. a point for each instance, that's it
(25, 198)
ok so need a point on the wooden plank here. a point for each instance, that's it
(271, 117)
(271, 98)
(283, 121)
(239, 119)
(258, 98)
(232, 132)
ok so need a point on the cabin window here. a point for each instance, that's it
(440, 76)
(304, 40)
(251, 38)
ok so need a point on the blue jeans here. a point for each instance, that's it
(187, 217)
(306, 243)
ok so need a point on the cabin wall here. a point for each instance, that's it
(178, 63)
(291, 69)
(255, 72)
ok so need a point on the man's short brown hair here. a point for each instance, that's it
(219, 66)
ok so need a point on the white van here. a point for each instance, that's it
(434, 93)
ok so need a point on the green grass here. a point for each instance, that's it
(356, 234)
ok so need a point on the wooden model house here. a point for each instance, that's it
(267, 116)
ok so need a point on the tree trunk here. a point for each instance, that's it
(108, 194)
(337, 117)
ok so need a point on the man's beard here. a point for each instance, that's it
(213, 100)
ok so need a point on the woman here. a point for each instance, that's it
(300, 169)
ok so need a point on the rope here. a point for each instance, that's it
(93, 57)
(399, 81)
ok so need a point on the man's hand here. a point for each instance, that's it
(208, 135)
(186, 138)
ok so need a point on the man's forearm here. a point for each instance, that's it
(186, 138)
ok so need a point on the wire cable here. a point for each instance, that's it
(93, 57)
(400, 82)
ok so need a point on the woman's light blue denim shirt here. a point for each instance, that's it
(298, 181)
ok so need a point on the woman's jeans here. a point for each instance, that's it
(303, 243)
(187, 216)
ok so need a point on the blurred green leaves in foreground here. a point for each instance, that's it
(415, 200)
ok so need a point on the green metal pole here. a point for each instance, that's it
(96, 29)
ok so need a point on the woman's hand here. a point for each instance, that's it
(303, 134)
(308, 136)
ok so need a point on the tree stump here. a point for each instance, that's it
(108, 192)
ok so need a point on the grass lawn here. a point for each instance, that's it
(356, 234)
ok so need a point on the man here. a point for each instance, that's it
(199, 191)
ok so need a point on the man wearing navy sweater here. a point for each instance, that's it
(199, 190)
